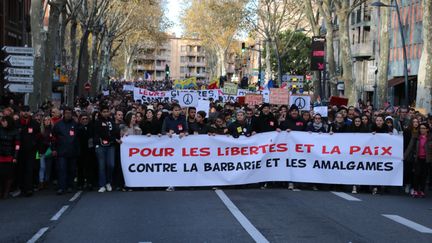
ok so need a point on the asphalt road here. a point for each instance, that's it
(228, 215)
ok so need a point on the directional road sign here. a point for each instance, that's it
(19, 71)
(20, 61)
(19, 79)
(19, 88)
(18, 50)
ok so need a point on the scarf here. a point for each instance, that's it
(317, 126)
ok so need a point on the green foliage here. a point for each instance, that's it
(294, 53)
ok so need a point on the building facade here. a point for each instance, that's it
(14, 30)
(185, 58)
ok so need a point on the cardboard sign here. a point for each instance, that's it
(230, 88)
(279, 96)
(322, 110)
(338, 101)
(254, 99)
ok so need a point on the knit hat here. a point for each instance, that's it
(293, 107)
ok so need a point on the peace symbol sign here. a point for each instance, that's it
(188, 99)
(300, 102)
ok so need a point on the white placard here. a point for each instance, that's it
(302, 102)
(322, 110)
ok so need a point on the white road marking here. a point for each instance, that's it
(247, 225)
(59, 213)
(75, 196)
(38, 235)
(346, 196)
(408, 223)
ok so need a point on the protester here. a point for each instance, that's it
(200, 125)
(239, 127)
(45, 150)
(266, 121)
(86, 163)
(317, 125)
(9, 147)
(420, 151)
(104, 140)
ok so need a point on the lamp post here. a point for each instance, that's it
(380, 4)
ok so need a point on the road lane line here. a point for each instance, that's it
(346, 196)
(38, 235)
(75, 196)
(245, 223)
(59, 213)
(408, 223)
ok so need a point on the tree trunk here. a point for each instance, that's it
(81, 77)
(94, 62)
(424, 82)
(73, 50)
(384, 52)
(347, 64)
(50, 52)
(221, 60)
(331, 63)
(279, 63)
(38, 44)
(268, 72)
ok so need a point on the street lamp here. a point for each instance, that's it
(380, 4)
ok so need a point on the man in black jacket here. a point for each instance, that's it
(29, 132)
(294, 122)
(104, 140)
(266, 122)
(86, 164)
(239, 127)
(66, 149)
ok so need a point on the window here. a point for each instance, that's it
(182, 59)
(183, 48)
(183, 69)
(199, 49)
(158, 63)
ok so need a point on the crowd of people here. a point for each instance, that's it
(78, 147)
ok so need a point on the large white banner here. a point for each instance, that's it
(200, 160)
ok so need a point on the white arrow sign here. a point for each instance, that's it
(18, 50)
(20, 61)
(19, 88)
(19, 71)
(19, 79)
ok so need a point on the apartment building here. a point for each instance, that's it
(185, 58)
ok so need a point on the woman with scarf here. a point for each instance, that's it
(317, 125)
(338, 126)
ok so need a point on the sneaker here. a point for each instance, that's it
(15, 193)
(108, 187)
(407, 189)
(354, 190)
(291, 186)
(314, 188)
(102, 189)
(170, 189)
(374, 191)
(263, 187)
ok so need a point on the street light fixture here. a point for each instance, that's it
(380, 4)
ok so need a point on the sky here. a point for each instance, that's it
(173, 14)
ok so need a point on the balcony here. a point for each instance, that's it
(146, 57)
(200, 64)
(144, 67)
(362, 49)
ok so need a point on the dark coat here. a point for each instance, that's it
(9, 139)
(412, 150)
(66, 139)
(265, 123)
(153, 127)
(236, 129)
(178, 125)
(297, 124)
(105, 132)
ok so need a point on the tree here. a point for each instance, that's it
(268, 18)
(424, 83)
(343, 9)
(296, 56)
(216, 23)
(384, 53)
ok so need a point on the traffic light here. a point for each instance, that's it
(167, 71)
(243, 47)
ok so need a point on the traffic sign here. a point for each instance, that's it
(20, 61)
(87, 86)
(19, 71)
(19, 88)
(18, 50)
(19, 79)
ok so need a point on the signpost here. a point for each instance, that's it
(19, 73)
(19, 88)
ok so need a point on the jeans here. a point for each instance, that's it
(105, 157)
(65, 172)
(45, 169)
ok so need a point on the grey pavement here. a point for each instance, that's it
(201, 216)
